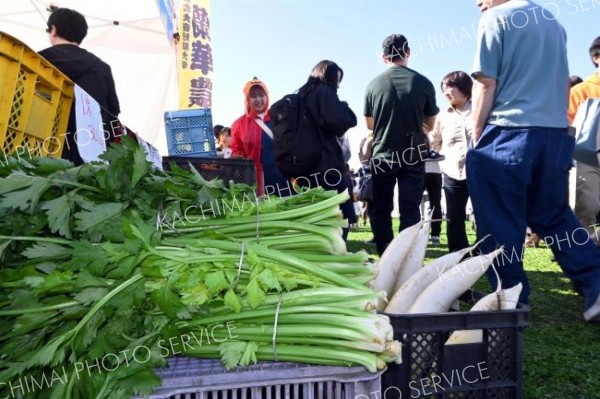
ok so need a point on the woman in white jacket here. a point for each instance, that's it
(451, 137)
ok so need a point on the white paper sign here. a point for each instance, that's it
(152, 154)
(90, 131)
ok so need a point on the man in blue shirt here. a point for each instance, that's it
(519, 166)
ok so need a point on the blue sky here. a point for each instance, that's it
(280, 41)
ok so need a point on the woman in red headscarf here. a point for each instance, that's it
(251, 138)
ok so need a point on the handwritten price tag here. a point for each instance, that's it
(90, 133)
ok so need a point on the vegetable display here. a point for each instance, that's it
(108, 269)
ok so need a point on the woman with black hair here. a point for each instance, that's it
(334, 118)
(451, 137)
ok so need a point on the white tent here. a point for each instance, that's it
(130, 36)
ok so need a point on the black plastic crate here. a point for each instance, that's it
(226, 169)
(492, 369)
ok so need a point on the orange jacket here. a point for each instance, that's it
(589, 88)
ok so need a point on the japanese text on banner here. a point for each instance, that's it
(195, 62)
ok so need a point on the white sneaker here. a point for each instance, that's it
(593, 312)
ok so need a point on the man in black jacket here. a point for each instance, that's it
(67, 28)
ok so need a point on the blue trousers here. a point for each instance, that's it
(518, 177)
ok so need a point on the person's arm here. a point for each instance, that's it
(430, 109)
(575, 99)
(435, 136)
(486, 70)
(368, 109)
(237, 149)
(429, 122)
(336, 115)
(484, 91)
(367, 147)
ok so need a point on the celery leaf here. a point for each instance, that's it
(232, 301)
(231, 353)
(249, 355)
(88, 218)
(47, 250)
(256, 295)
(268, 279)
(23, 192)
(216, 282)
(140, 165)
(91, 295)
(170, 303)
(197, 296)
(59, 214)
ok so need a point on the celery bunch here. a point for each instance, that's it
(97, 262)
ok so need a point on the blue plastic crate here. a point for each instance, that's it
(190, 133)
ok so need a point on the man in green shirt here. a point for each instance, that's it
(399, 104)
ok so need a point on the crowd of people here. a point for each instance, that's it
(503, 137)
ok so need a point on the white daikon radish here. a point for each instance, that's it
(418, 282)
(500, 300)
(391, 259)
(441, 293)
(413, 262)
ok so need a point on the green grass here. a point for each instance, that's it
(562, 352)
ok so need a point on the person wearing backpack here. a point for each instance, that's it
(332, 118)
(251, 138)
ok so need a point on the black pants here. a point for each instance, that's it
(433, 186)
(411, 180)
(457, 195)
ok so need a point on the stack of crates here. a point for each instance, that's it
(188, 378)
(191, 141)
(35, 101)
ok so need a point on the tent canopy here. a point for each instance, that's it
(127, 34)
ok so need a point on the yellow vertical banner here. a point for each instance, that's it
(195, 62)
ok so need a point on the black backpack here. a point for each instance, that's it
(296, 137)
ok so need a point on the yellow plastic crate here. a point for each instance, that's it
(35, 101)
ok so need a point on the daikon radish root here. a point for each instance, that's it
(500, 300)
(391, 259)
(413, 262)
(418, 282)
(503, 300)
(447, 287)
(454, 258)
